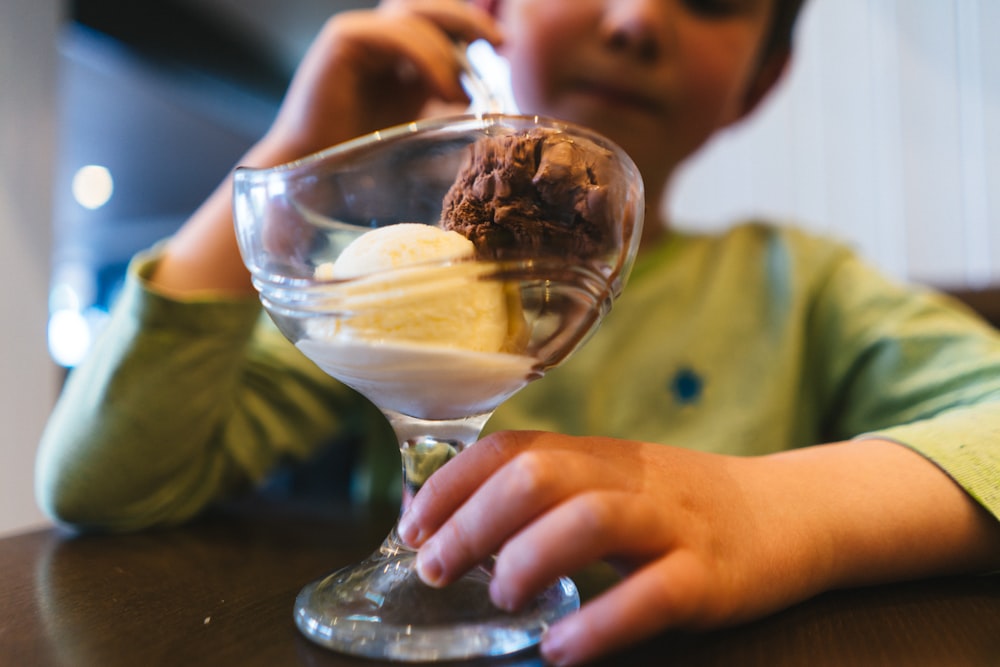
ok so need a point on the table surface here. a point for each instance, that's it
(219, 591)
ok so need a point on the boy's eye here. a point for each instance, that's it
(713, 8)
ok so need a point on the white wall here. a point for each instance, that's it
(28, 379)
(887, 133)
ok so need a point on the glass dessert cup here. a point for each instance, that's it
(436, 343)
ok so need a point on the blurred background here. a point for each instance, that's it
(117, 118)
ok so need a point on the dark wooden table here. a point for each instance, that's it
(220, 591)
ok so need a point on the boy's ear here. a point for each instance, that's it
(770, 72)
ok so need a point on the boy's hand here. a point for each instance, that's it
(371, 69)
(680, 524)
(704, 540)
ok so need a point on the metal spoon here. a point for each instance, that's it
(484, 97)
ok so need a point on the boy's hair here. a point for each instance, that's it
(786, 12)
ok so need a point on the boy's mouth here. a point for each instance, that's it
(618, 96)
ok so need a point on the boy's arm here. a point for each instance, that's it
(179, 404)
(704, 540)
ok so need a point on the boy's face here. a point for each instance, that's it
(657, 76)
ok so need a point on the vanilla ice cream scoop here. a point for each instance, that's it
(431, 295)
(395, 246)
(419, 329)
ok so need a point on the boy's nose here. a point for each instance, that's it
(637, 26)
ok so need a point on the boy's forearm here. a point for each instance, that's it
(881, 512)
(203, 255)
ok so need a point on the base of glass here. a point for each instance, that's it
(379, 608)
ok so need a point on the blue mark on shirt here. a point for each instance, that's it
(687, 386)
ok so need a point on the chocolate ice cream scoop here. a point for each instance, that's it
(532, 194)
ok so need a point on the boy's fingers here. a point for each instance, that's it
(667, 593)
(513, 498)
(427, 51)
(451, 486)
(586, 528)
(459, 19)
(420, 44)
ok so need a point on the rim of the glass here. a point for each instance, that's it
(457, 122)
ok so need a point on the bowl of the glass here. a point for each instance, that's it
(485, 247)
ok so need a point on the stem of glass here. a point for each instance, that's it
(423, 454)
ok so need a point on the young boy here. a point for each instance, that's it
(683, 443)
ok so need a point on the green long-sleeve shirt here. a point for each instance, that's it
(757, 340)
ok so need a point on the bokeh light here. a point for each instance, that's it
(93, 186)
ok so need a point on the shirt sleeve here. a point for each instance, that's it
(915, 367)
(180, 403)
